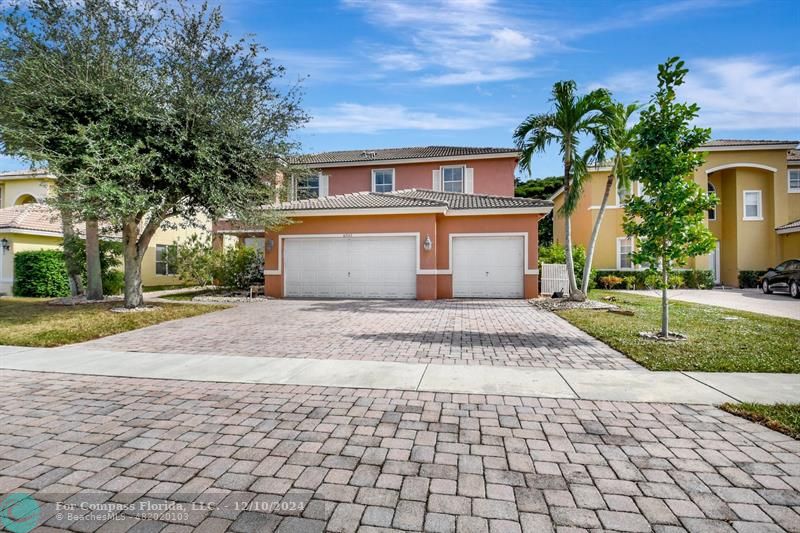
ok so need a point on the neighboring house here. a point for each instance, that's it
(756, 223)
(27, 224)
(429, 222)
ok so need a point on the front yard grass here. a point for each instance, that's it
(32, 322)
(783, 417)
(750, 343)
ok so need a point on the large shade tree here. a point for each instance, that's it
(615, 138)
(184, 123)
(668, 220)
(572, 116)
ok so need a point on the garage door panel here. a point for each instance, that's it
(488, 267)
(357, 267)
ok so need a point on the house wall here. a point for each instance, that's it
(789, 245)
(168, 237)
(21, 243)
(744, 245)
(491, 176)
(12, 190)
(430, 285)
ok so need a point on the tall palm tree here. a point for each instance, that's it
(617, 137)
(572, 116)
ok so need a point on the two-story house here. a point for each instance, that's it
(756, 223)
(27, 224)
(427, 222)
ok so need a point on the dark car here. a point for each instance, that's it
(785, 276)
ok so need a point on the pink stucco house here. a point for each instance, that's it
(428, 222)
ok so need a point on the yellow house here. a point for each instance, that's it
(26, 224)
(756, 223)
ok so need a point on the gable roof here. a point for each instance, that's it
(407, 155)
(418, 200)
(35, 218)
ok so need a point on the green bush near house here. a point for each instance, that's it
(644, 279)
(610, 282)
(40, 274)
(556, 254)
(748, 279)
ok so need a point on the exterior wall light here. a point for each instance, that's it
(5, 244)
(427, 244)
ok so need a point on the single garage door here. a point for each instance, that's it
(350, 267)
(488, 267)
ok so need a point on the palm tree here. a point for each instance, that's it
(617, 137)
(572, 116)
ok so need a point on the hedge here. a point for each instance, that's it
(644, 279)
(40, 274)
(748, 279)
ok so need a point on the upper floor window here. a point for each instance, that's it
(752, 205)
(166, 256)
(624, 251)
(383, 180)
(307, 187)
(712, 213)
(794, 180)
(453, 179)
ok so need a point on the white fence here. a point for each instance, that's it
(554, 278)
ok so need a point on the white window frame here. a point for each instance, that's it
(760, 215)
(619, 249)
(463, 177)
(789, 180)
(375, 171)
(713, 209)
(166, 262)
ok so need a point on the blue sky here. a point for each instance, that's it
(385, 73)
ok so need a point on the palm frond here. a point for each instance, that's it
(533, 135)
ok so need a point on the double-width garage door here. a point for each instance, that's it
(351, 267)
(488, 266)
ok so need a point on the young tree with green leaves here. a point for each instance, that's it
(572, 116)
(617, 136)
(171, 120)
(668, 221)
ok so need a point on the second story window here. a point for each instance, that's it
(383, 180)
(752, 205)
(453, 179)
(794, 180)
(307, 187)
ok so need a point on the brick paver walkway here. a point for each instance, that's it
(485, 332)
(370, 460)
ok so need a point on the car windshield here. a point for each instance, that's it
(782, 266)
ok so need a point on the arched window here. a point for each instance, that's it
(25, 199)
(712, 213)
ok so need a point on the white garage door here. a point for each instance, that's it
(351, 267)
(488, 267)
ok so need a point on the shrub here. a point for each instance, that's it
(748, 279)
(629, 282)
(675, 280)
(698, 279)
(239, 267)
(113, 282)
(196, 260)
(40, 274)
(555, 253)
(610, 282)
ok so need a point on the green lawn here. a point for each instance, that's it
(31, 322)
(781, 417)
(751, 343)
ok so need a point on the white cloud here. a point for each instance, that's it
(358, 118)
(739, 93)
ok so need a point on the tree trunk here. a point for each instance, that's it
(587, 269)
(664, 302)
(574, 293)
(94, 277)
(134, 297)
(71, 259)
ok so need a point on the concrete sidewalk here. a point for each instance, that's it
(588, 384)
(752, 300)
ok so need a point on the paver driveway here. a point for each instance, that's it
(486, 332)
(369, 460)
